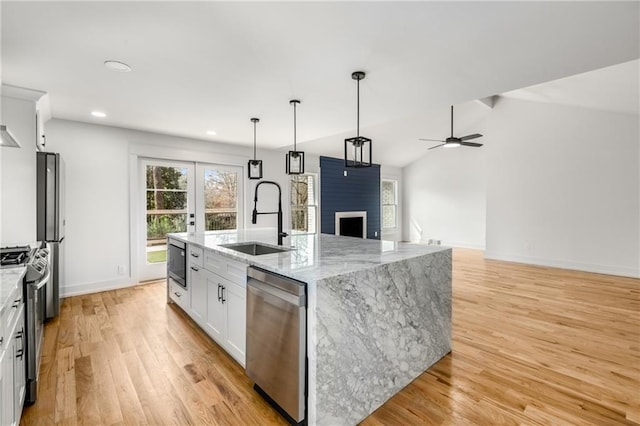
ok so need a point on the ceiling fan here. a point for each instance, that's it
(452, 141)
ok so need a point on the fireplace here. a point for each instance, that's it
(351, 224)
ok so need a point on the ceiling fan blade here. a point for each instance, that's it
(431, 140)
(471, 144)
(469, 137)
(436, 146)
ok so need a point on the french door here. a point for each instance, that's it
(183, 197)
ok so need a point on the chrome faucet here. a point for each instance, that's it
(254, 216)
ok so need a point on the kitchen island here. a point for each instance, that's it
(378, 313)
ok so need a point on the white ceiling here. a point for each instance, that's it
(213, 65)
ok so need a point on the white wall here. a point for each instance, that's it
(563, 187)
(18, 188)
(554, 185)
(99, 193)
(444, 194)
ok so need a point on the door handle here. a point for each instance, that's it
(192, 222)
(194, 268)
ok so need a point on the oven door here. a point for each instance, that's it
(177, 262)
(35, 315)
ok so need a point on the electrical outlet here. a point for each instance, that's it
(120, 269)
(345, 172)
(375, 234)
(438, 242)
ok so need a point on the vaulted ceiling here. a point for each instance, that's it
(201, 66)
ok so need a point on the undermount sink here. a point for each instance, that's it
(254, 249)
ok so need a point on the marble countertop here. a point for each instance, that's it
(313, 257)
(10, 278)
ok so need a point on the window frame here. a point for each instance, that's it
(313, 176)
(395, 204)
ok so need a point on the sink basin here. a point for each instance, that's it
(254, 249)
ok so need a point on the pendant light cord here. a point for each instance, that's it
(358, 111)
(254, 141)
(294, 126)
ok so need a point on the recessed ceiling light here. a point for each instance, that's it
(98, 114)
(211, 132)
(117, 66)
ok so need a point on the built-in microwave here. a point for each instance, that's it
(177, 262)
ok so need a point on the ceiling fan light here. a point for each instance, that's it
(451, 145)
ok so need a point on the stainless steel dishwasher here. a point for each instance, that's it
(276, 341)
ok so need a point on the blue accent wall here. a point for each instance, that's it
(358, 191)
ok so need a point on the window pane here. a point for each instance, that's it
(389, 216)
(166, 200)
(163, 177)
(166, 207)
(299, 190)
(303, 219)
(220, 199)
(388, 192)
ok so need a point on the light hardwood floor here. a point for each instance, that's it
(531, 345)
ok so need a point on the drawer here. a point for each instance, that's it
(10, 314)
(195, 255)
(234, 271)
(178, 294)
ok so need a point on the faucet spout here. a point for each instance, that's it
(254, 215)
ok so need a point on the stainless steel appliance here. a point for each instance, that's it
(177, 262)
(36, 278)
(276, 341)
(51, 222)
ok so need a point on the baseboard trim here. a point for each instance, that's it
(96, 287)
(565, 264)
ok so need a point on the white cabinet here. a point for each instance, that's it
(12, 362)
(216, 289)
(179, 295)
(198, 289)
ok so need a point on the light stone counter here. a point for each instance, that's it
(378, 314)
(10, 279)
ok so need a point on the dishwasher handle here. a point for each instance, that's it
(262, 288)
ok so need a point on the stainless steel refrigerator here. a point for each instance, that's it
(51, 223)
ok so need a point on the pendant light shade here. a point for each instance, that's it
(255, 166)
(294, 159)
(357, 150)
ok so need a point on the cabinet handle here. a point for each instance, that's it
(16, 303)
(223, 289)
(19, 353)
(195, 269)
(177, 294)
(1, 339)
(195, 255)
(219, 297)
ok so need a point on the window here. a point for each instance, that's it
(166, 209)
(389, 203)
(303, 204)
(220, 199)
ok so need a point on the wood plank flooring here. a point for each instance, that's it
(531, 345)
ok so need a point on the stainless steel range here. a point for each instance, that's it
(36, 279)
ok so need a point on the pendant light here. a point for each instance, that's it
(358, 147)
(255, 166)
(295, 158)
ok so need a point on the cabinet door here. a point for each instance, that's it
(19, 364)
(235, 301)
(6, 363)
(216, 316)
(198, 292)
